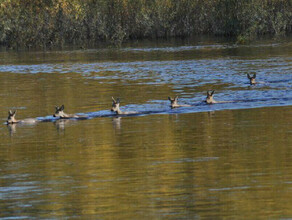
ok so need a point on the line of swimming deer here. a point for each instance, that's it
(60, 114)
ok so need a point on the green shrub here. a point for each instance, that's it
(54, 23)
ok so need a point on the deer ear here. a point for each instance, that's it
(248, 76)
(62, 107)
(212, 92)
(9, 112)
(169, 98)
(113, 100)
(14, 112)
(57, 107)
(118, 100)
(176, 98)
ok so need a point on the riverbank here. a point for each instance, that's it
(55, 23)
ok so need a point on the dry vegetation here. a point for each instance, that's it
(54, 23)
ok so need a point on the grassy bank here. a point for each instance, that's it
(54, 23)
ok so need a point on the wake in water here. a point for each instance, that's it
(188, 71)
(209, 104)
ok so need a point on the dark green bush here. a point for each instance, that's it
(51, 23)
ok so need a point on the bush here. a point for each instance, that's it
(50, 23)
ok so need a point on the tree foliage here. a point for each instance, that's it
(49, 23)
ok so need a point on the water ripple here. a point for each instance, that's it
(188, 78)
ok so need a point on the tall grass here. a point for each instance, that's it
(51, 23)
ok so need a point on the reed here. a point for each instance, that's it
(55, 23)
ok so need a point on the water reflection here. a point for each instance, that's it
(60, 124)
(11, 129)
(117, 122)
(202, 161)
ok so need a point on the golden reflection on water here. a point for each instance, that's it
(162, 166)
(229, 164)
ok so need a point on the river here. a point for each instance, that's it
(228, 160)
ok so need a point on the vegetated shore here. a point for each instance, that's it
(54, 23)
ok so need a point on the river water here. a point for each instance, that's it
(226, 160)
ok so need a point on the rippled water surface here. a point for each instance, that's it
(226, 160)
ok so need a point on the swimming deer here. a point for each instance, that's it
(11, 119)
(252, 80)
(60, 113)
(116, 108)
(174, 103)
(210, 99)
